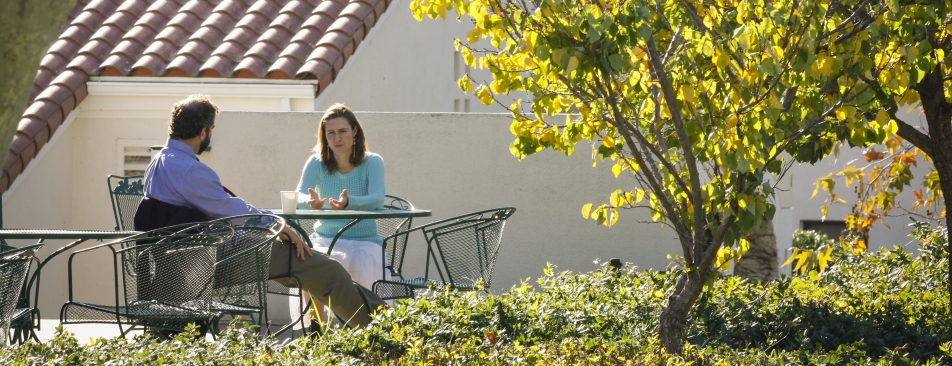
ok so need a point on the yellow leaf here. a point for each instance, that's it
(842, 113)
(687, 93)
(586, 209)
(464, 84)
(824, 210)
(482, 92)
(416, 10)
(497, 87)
(468, 57)
(616, 169)
(721, 59)
(573, 64)
(639, 195)
(792, 258)
(851, 173)
(742, 247)
(891, 128)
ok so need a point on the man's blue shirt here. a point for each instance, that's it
(176, 176)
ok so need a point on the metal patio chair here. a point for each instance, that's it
(164, 279)
(15, 263)
(463, 251)
(392, 230)
(125, 194)
(241, 275)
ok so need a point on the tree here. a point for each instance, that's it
(694, 100)
(29, 27)
(909, 52)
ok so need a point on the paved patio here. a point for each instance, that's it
(86, 332)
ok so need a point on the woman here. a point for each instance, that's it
(342, 167)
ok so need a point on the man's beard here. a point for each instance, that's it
(205, 143)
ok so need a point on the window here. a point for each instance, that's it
(833, 229)
(134, 155)
(460, 70)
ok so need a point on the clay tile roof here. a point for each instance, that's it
(273, 39)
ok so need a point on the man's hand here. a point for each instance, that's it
(298, 243)
(315, 202)
(340, 204)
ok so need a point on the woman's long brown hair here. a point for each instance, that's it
(324, 150)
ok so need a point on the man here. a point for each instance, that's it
(180, 189)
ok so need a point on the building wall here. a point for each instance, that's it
(408, 66)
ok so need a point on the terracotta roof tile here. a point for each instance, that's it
(277, 39)
(77, 9)
(89, 17)
(55, 95)
(236, 8)
(140, 34)
(30, 129)
(54, 63)
(79, 34)
(53, 122)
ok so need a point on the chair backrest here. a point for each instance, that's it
(242, 271)
(465, 247)
(395, 234)
(173, 266)
(125, 193)
(14, 265)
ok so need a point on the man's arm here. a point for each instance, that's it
(202, 189)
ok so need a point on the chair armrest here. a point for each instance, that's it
(112, 249)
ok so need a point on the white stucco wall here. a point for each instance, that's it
(407, 66)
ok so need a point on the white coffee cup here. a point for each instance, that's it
(289, 201)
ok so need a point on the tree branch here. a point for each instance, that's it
(667, 91)
(915, 137)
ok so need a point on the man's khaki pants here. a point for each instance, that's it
(326, 280)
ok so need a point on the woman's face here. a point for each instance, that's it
(340, 136)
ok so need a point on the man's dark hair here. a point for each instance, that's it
(191, 115)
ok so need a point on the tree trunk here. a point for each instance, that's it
(938, 114)
(760, 262)
(675, 314)
(29, 28)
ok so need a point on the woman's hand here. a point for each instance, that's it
(315, 202)
(340, 204)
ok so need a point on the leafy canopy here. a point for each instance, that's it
(727, 86)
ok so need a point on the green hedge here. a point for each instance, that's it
(884, 307)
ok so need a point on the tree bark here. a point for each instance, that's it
(760, 262)
(675, 314)
(29, 28)
(938, 112)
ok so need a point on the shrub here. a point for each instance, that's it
(885, 307)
